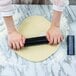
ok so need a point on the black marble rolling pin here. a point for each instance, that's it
(43, 40)
(70, 45)
(36, 41)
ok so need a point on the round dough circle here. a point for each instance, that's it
(36, 26)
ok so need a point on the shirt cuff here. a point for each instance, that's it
(58, 8)
(9, 13)
(7, 10)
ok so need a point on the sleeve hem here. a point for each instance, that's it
(58, 8)
(9, 13)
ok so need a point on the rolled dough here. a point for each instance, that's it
(36, 26)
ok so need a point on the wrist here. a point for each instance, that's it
(11, 30)
(55, 25)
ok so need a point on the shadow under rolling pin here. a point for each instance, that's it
(70, 45)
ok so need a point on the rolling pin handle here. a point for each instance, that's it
(70, 45)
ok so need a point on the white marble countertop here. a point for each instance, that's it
(59, 64)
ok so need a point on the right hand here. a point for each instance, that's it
(15, 40)
(54, 35)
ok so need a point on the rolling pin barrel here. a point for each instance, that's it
(36, 41)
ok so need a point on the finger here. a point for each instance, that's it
(55, 40)
(48, 37)
(61, 38)
(23, 40)
(17, 45)
(10, 44)
(58, 40)
(51, 40)
(14, 45)
(21, 44)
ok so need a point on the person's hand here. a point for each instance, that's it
(15, 40)
(54, 35)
